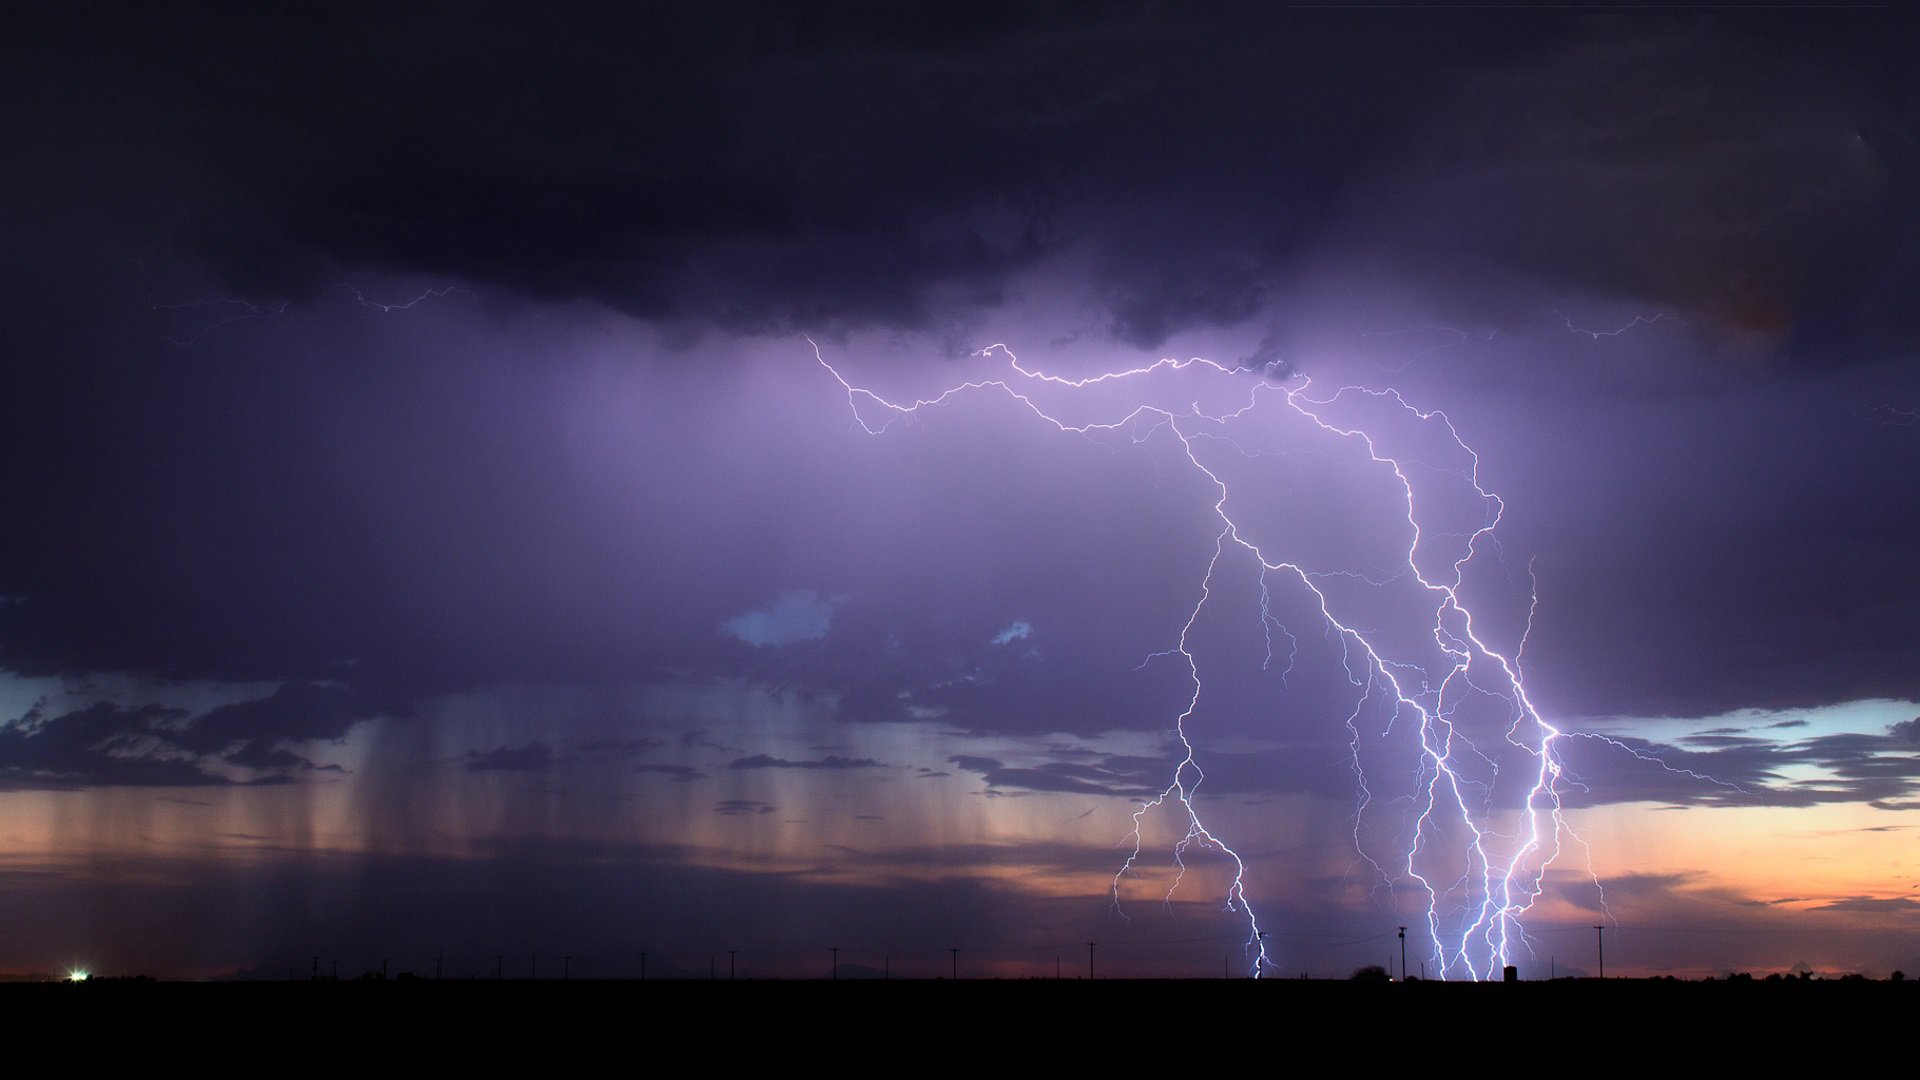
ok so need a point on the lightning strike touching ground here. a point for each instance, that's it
(1459, 777)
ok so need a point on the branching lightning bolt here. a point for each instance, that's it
(1894, 415)
(1478, 863)
(1595, 335)
(203, 317)
(1658, 762)
(430, 294)
(212, 315)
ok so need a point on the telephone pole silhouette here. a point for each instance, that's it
(1090, 946)
(1600, 943)
(1403, 954)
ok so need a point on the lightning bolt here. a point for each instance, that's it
(1894, 415)
(185, 323)
(1481, 821)
(203, 317)
(1595, 335)
(1656, 760)
(430, 294)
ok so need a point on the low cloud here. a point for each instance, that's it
(797, 616)
(831, 761)
(533, 757)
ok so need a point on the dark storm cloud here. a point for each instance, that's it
(1881, 768)
(533, 757)
(260, 755)
(621, 747)
(1898, 907)
(1718, 168)
(102, 745)
(672, 161)
(771, 166)
(110, 745)
(1304, 768)
(680, 774)
(704, 741)
(331, 505)
(1635, 770)
(1144, 779)
(1727, 771)
(297, 711)
(414, 512)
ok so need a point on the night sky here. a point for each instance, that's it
(432, 532)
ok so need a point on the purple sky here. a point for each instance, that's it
(432, 532)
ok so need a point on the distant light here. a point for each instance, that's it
(78, 975)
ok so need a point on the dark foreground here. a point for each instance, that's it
(422, 1023)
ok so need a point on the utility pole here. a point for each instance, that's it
(956, 962)
(1090, 946)
(1600, 943)
(730, 968)
(566, 968)
(835, 950)
(1403, 954)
